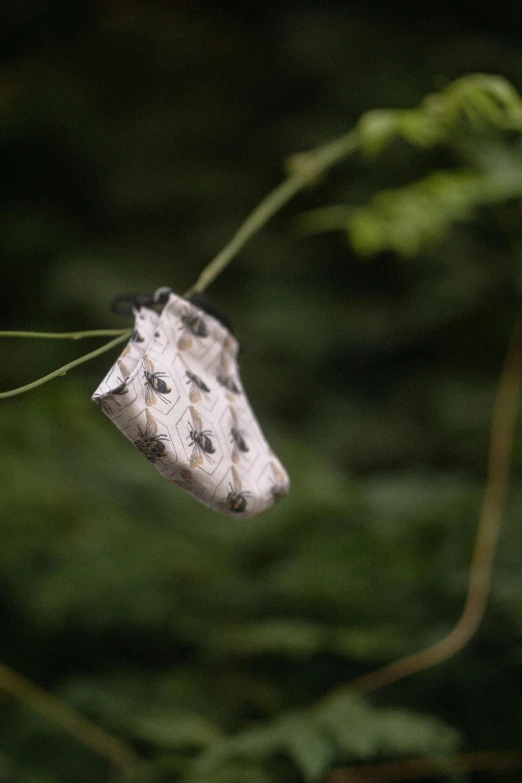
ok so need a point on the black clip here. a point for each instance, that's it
(200, 300)
(125, 304)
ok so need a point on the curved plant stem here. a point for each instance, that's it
(71, 721)
(261, 214)
(66, 367)
(413, 769)
(479, 583)
(304, 169)
(66, 335)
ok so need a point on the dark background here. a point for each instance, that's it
(134, 139)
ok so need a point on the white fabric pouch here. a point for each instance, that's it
(175, 393)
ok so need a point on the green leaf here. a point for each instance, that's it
(363, 731)
(378, 128)
(172, 730)
(345, 727)
(411, 219)
(312, 751)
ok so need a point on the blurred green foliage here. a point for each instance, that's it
(134, 138)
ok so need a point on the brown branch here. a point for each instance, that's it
(67, 718)
(503, 426)
(412, 769)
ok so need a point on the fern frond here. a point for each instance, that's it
(410, 219)
(472, 103)
(315, 739)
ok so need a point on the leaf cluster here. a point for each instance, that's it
(478, 119)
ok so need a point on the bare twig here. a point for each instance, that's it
(64, 335)
(412, 769)
(304, 169)
(67, 718)
(497, 482)
(66, 367)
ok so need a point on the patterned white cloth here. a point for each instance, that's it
(175, 393)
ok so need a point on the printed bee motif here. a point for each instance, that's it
(237, 499)
(128, 349)
(149, 442)
(280, 486)
(183, 479)
(225, 377)
(134, 338)
(237, 438)
(229, 383)
(200, 440)
(176, 392)
(122, 387)
(229, 344)
(192, 324)
(196, 386)
(103, 405)
(155, 385)
(186, 476)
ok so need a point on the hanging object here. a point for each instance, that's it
(176, 394)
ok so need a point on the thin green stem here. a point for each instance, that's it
(271, 204)
(503, 425)
(68, 719)
(323, 219)
(62, 370)
(304, 169)
(66, 335)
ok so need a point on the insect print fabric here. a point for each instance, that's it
(175, 393)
